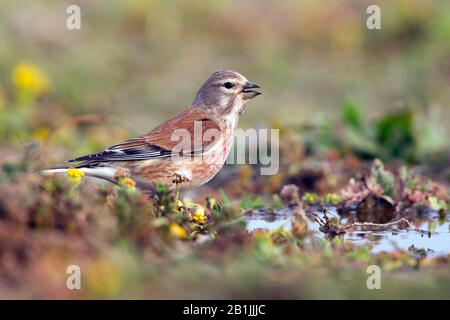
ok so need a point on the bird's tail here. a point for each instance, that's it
(106, 173)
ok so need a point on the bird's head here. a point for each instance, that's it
(225, 93)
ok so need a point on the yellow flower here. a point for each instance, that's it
(75, 175)
(128, 183)
(28, 78)
(177, 231)
(199, 214)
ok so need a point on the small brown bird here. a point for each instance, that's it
(188, 149)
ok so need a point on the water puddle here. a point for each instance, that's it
(270, 220)
(434, 243)
(429, 237)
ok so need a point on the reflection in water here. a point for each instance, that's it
(434, 243)
(262, 219)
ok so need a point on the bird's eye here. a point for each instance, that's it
(228, 85)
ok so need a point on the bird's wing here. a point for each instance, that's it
(188, 133)
(192, 127)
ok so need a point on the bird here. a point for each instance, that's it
(187, 150)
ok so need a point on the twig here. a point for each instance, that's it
(326, 225)
(331, 229)
(370, 226)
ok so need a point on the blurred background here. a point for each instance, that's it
(135, 63)
(339, 93)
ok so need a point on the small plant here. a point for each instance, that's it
(255, 202)
(332, 198)
(309, 197)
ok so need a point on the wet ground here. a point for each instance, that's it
(427, 237)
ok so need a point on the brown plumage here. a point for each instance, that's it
(193, 145)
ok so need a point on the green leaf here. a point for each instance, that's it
(249, 202)
(309, 197)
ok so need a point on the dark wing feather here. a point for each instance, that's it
(134, 149)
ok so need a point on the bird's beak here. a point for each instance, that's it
(248, 92)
